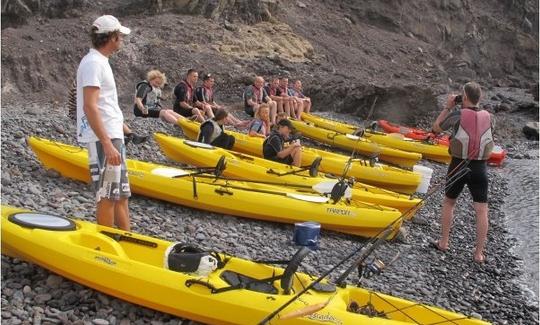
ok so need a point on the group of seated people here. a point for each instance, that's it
(270, 106)
(279, 97)
(278, 145)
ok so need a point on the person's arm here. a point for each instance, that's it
(91, 110)
(266, 98)
(450, 103)
(248, 96)
(288, 150)
(206, 133)
(254, 129)
(142, 91)
(140, 105)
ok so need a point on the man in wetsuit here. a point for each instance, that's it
(185, 103)
(274, 146)
(470, 146)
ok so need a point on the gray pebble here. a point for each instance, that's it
(42, 298)
(54, 281)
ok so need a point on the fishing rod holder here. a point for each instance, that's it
(217, 170)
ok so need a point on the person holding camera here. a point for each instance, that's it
(471, 144)
(274, 146)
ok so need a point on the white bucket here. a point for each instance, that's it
(426, 173)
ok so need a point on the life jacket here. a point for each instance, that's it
(261, 127)
(72, 101)
(152, 102)
(473, 139)
(259, 93)
(268, 150)
(189, 91)
(296, 93)
(271, 91)
(215, 132)
(208, 94)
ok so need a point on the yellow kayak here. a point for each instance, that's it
(391, 178)
(358, 144)
(248, 200)
(247, 167)
(436, 152)
(140, 269)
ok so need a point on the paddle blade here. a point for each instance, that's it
(308, 310)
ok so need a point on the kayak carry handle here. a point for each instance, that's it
(128, 238)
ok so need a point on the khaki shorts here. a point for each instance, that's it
(110, 182)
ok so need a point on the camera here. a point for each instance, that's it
(458, 99)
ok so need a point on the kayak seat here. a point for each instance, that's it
(243, 281)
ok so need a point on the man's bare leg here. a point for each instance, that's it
(447, 216)
(105, 212)
(482, 225)
(121, 214)
(297, 156)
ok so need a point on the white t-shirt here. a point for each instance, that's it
(94, 70)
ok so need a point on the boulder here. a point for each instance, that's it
(531, 130)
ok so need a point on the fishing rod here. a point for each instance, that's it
(454, 176)
(341, 186)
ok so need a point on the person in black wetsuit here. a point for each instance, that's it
(274, 146)
(470, 146)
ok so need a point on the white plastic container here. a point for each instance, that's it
(426, 173)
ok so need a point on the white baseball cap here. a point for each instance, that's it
(108, 23)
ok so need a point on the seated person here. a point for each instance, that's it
(147, 98)
(260, 126)
(274, 92)
(185, 103)
(274, 146)
(212, 132)
(254, 95)
(297, 92)
(205, 94)
(286, 92)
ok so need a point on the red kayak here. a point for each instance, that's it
(413, 133)
(495, 159)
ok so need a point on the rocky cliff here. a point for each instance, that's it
(347, 52)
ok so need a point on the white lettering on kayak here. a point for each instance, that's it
(325, 318)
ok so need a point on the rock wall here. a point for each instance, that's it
(347, 53)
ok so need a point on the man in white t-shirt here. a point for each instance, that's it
(100, 123)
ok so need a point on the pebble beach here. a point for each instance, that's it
(451, 280)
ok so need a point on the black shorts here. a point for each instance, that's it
(151, 112)
(476, 180)
(249, 110)
(184, 112)
(224, 140)
(287, 160)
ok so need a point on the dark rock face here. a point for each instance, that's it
(347, 54)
